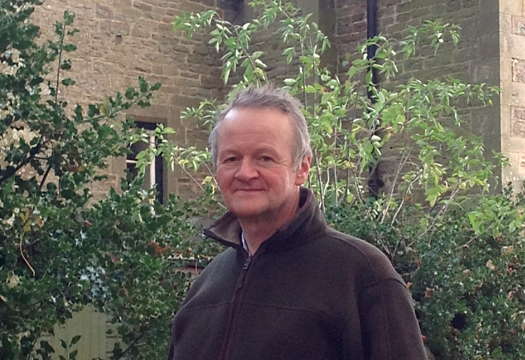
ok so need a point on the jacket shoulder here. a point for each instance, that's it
(365, 258)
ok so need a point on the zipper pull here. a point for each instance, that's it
(247, 263)
(244, 270)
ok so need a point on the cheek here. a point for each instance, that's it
(222, 178)
(225, 177)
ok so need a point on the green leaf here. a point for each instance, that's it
(289, 82)
(75, 339)
(433, 193)
(474, 218)
(260, 63)
(143, 85)
(73, 355)
(226, 72)
(68, 82)
(69, 17)
(63, 344)
(130, 93)
(70, 47)
(66, 64)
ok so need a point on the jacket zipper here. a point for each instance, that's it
(235, 307)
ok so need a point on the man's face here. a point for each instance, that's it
(255, 170)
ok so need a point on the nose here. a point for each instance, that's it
(246, 171)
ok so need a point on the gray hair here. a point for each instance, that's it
(269, 97)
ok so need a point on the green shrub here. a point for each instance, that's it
(60, 248)
(467, 280)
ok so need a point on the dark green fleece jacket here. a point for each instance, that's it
(309, 293)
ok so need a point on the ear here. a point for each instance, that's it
(302, 171)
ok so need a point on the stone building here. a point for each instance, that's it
(122, 39)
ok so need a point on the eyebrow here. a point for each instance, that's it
(256, 151)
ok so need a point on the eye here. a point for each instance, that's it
(265, 158)
(229, 159)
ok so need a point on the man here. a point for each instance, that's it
(288, 286)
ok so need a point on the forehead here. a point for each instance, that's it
(247, 129)
(264, 122)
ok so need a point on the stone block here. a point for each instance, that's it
(208, 3)
(201, 50)
(166, 30)
(521, 164)
(341, 3)
(469, 3)
(184, 101)
(157, 69)
(103, 12)
(167, 4)
(492, 6)
(142, 6)
(142, 67)
(518, 25)
(185, 6)
(141, 30)
(514, 7)
(170, 69)
(158, 111)
(453, 5)
(127, 14)
(489, 45)
(160, 98)
(182, 82)
(387, 3)
(122, 3)
(100, 67)
(486, 72)
(518, 70)
(120, 28)
(211, 82)
(517, 121)
(104, 26)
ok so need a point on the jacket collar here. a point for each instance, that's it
(303, 228)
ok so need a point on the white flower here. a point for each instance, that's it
(10, 221)
(13, 281)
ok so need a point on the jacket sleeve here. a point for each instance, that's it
(390, 330)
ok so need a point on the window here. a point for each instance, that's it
(154, 175)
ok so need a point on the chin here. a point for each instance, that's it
(247, 208)
(246, 212)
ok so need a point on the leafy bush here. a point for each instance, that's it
(60, 248)
(466, 279)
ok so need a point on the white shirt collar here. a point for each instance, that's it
(244, 243)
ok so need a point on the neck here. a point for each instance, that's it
(258, 229)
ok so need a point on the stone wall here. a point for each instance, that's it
(350, 26)
(512, 63)
(476, 59)
(120, 40)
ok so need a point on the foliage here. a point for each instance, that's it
(466, 279)
(60, 247)
(462, 255)
(141, 275)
